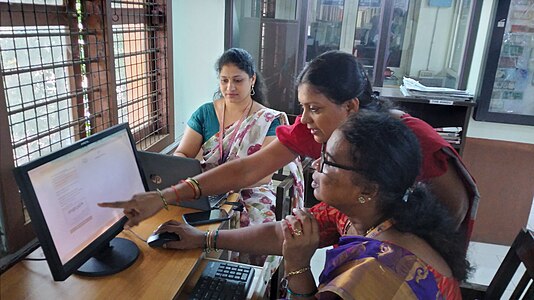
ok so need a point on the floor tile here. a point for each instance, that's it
(485, 259)
(488, 248)
(482, 275)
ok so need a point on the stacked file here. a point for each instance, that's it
(452, 135)
(413, 88)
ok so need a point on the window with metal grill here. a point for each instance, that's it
(72, 68)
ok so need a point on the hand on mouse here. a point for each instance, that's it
(190, 237)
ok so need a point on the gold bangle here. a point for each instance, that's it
(297, 272)
(165, 204)
(195, 182)
(190, 184)
(194, 186)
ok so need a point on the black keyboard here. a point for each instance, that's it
(223, 280)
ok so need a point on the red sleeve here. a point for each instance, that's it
(331, 223)
(434, 162)
(448, 286)
(298, 138)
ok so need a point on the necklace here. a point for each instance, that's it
(377, 230)
(374, 231)
(246, 112)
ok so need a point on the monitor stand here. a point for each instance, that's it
(118, 255)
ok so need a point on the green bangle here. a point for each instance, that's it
(215, 240)
(165, 204)
(291, 293)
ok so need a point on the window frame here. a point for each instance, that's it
(18, 236)
(490, 66)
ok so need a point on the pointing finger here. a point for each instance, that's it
(117, 204)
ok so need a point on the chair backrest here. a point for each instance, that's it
(521, 252)
(309, 198)
(284, 194)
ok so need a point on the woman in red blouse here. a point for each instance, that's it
(330, 88)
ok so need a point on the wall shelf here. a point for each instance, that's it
(436, 112)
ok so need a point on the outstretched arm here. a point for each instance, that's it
(236, 174)
(263, 238)
(233, 175)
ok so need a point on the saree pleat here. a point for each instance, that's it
(242, 139)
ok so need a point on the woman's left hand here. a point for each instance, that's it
(301, 238)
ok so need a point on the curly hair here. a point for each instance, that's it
(387, 153)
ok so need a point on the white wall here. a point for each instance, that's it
(423, 42)
(198, 28)
(198, 40)
(491, 130)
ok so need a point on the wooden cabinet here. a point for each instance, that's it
(437, 113)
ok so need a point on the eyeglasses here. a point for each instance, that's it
(324, 161)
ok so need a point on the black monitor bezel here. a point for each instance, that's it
(59, 270)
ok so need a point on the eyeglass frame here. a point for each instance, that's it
(333, 164)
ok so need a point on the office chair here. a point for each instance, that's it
(521, 252)
(284, 194)
(286, 200)
(309, 198)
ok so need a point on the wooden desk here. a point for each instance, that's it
(157, 274)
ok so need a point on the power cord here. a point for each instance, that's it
(135, 234)
(37, 259)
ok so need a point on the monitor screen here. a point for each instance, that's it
(61, 191)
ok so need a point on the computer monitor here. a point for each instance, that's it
(61, 191)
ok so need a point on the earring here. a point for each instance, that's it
(362, 199)
(252, 92)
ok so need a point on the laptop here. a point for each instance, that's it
(162, 171)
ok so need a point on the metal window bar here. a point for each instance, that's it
(72, 68)
(140, 75)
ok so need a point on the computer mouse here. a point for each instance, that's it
(159, 239)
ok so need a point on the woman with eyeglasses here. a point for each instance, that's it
(409, 248)
(330, 88)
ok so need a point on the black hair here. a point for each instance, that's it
(340, 77)
(386, 152)
(244, 61)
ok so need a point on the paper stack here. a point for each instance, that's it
(452, 135)
(413, 88)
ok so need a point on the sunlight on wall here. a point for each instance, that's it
(198, 40)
